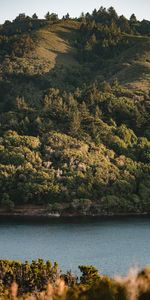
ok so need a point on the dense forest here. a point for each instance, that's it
(75, 113)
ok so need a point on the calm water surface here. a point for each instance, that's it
(113, 245)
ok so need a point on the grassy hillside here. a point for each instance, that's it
(74, 114)
(134, 65)
(55, 53)
(55, 44)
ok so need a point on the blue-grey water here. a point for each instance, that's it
(113, 245)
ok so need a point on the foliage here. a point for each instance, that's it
(104, 34)
(28, 276)
(40, 280)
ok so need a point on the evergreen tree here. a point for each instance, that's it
(34, 16)
(47, 16)
(75, 122)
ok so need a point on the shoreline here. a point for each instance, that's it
(42, 213)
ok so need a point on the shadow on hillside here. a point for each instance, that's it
(131, 73)
(64, 75)
(68, 74)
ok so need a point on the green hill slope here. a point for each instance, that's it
(74, 115)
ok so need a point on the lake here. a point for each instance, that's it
(113, 245)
